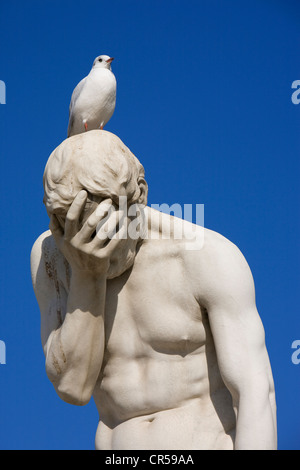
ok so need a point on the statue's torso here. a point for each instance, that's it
(159, 386)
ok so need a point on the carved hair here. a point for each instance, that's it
(96, 161)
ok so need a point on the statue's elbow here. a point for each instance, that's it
(77, 397)
(69, 389)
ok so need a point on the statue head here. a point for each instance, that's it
(98, 162)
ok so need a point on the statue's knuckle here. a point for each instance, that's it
(104, 253)
(100, 255)
(90, 223)
(70, 217)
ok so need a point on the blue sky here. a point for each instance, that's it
(204, 101)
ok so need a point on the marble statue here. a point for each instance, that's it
(166, 339)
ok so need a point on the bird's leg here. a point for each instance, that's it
(85, 126)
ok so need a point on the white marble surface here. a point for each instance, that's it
(168, 340)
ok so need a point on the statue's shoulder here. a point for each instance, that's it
(215, 250)
(216, 241)
(218, 270)
(44, 237)
(47, 262)
(43, 246)
(219, 247)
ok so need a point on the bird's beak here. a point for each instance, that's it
(110, 60)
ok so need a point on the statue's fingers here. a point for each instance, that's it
(73, 215)
(100, 215)
(114, 241)
(108, 226)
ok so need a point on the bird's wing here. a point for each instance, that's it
(75, 94)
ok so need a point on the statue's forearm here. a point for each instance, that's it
(256, 424)
(75, 354)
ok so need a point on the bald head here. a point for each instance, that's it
(96, 161)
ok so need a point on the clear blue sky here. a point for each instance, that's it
(204, 100)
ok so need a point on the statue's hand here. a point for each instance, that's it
(87, 248)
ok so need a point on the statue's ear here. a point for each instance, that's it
(143, 191)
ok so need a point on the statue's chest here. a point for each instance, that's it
(156, 311)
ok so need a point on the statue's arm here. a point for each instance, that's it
(228, 294)
(72, 328)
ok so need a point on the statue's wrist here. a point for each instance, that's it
(82, 276)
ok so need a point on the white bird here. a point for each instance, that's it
(93, 100)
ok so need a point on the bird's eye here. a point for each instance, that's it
(100, 60)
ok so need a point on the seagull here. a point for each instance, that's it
(93, 100)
